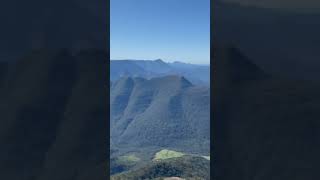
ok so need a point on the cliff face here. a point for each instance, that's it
(53, 117)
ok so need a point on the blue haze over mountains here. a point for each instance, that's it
(169, 98)
(154, 106)
(150, 115)
(157, 105)
(196, 74)
(163, 112)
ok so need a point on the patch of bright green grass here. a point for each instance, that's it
(166, 154)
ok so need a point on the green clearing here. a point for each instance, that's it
(167, 154)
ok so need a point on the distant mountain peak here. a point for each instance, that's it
(160, 61)
(158, 68)
(179, 62)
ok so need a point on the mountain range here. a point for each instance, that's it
(197, 74)
(164, 111)
(153, 107)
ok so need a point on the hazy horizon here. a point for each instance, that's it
(170, 30)
(166, 61)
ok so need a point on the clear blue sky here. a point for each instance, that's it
(171, 30)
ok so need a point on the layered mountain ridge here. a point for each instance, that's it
(197, 74)
(161, 112)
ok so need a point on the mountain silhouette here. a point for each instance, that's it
(281, 42)
(53, 110)
(265, 127)
(234, 67)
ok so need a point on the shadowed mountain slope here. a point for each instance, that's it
(53, 123)
(161, 112)
(234, 68)
(3, 72)
(265, 127)
(281, 42)
(125, 68)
